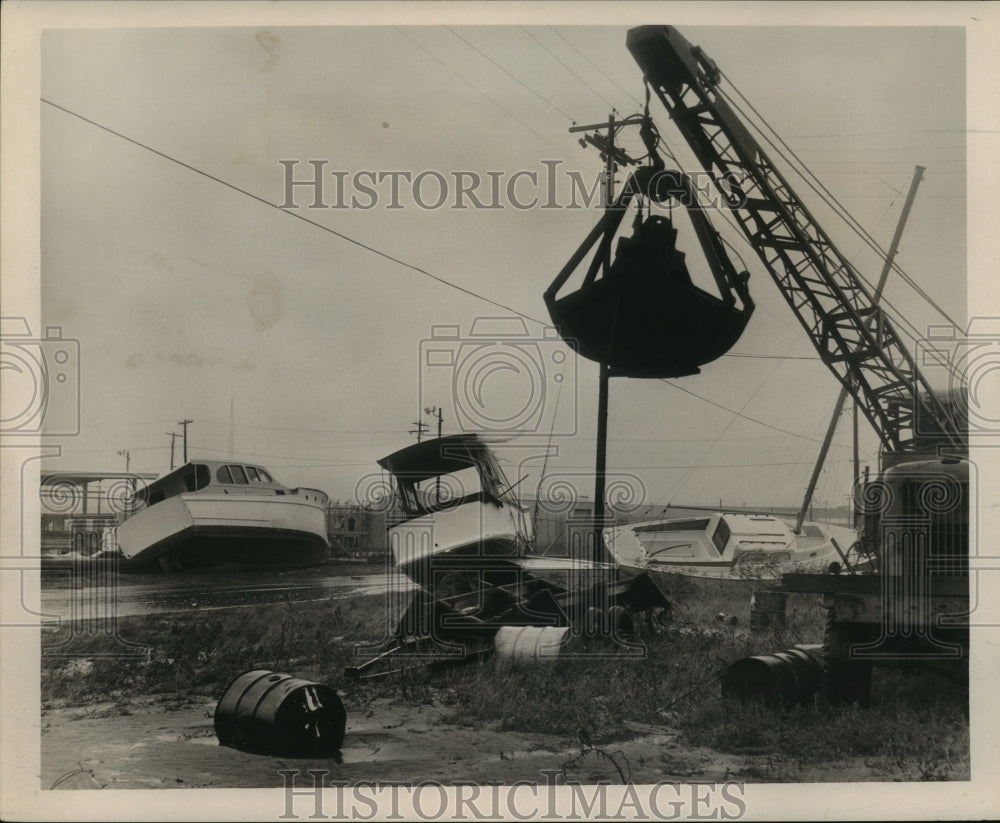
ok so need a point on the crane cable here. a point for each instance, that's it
(826, 195)
(841, 211)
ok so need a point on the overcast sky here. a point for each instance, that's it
(192, 292)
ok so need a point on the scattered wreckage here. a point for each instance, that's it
(466, 541)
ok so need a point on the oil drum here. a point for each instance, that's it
(271, 713)
(530, 644)
(788, 678)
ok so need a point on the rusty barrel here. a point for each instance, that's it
(787, 678)
(273, 713)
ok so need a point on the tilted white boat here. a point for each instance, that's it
(722, 545)
(457, 512)
(224, 512)
(461, 534)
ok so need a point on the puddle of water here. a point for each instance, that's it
(124, 600)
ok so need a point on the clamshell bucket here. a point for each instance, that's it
(642, 315)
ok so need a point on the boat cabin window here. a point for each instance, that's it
(436, 491)
(241, 475)
(431, 493)
(197, 477)
(673, 551)
(721, 535)
(675, 526)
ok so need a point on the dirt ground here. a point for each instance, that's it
(169, 741)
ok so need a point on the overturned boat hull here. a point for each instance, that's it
(208, 529)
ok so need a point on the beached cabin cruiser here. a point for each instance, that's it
(722, 545)
(457, 510)
(459, 532)
(224, 512)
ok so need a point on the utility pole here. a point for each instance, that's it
(418, 429)
(612, 157)
(173, 437)
(432, 410)
(856, 464)
(124, 453)
(184, 424)
(435, 411)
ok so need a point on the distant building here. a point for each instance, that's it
(77, 506)
(355, 531)
(566, 528)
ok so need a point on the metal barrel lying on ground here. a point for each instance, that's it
(789, 677)
(272, 713)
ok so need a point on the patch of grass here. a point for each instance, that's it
(201, 652)
(917, 728)
(894, 731)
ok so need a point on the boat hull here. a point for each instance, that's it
(218, 529)
(471, 538)
(755, 548)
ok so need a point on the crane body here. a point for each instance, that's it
(913, 609)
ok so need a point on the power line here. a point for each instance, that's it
(751, 464)
(555, 57)
(599, 69)
(299, 429)
(740, 414)
(443, 281)
(378, 252)
(484, 94)
(511, 76)
(837, 207)
(319, 462)
(832, 201)
(290, 213)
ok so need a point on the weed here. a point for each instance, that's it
(917, 729)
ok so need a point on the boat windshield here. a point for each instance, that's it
(481, 482)
(445, 472)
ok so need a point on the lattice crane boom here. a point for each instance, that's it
(851, 333)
